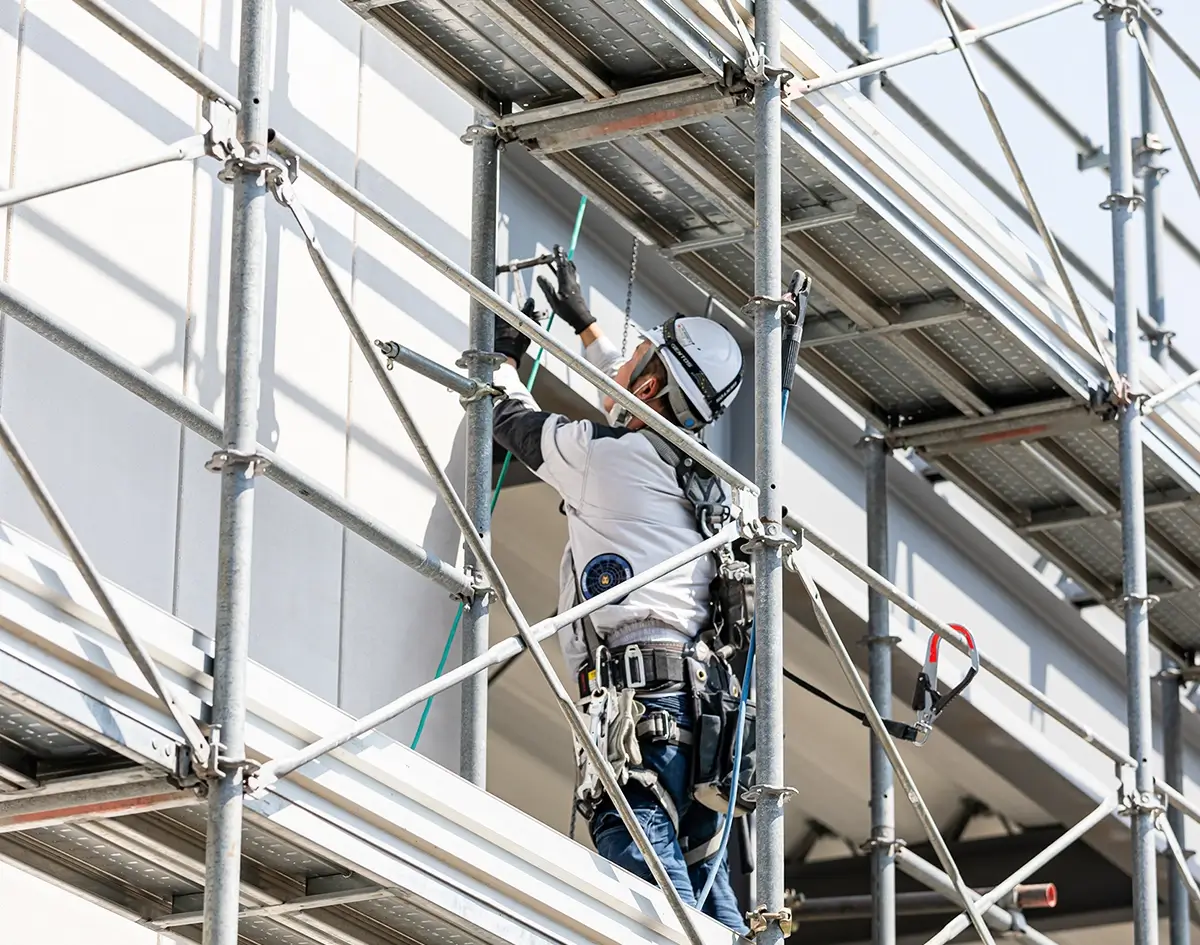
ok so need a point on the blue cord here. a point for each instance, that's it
(737, 770)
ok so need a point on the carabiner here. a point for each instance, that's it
(927, 701)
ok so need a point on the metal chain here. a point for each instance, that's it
(629, 298)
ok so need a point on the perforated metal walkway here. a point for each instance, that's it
(928, 315)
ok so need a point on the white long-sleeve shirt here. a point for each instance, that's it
(625, 513)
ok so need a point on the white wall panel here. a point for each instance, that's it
(394, 631)
(410, 160)
(109, 460)
(27, 904)
(111, 258)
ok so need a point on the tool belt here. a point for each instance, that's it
(715, 692)
(619, 724)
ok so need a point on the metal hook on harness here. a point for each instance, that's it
(927, 701)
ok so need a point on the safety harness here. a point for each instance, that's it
(611, 679)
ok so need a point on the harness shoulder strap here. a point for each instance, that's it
(666, 452)
(702, 488)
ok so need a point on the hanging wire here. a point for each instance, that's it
(537, 364)
(633, 263)
(1039, 221)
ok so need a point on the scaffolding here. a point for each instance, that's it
(915, 366)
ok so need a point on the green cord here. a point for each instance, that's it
(537, 364)
(578, 225)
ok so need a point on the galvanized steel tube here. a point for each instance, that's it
(527, 326)
(1172, 736)
(953, 637)
(1004, 888)
(868, 35)
(875, 721)
(1152, 175)
(768, 444)
(477, 495)
(1133, 512)
(70, 339)
(506, 649)
(879, 641)
(999, 919)
(489, 568)
(247, 293)
(937, 48)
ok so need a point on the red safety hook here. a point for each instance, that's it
(927, 701)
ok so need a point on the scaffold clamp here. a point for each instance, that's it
(760, 920)
(927, 701)
(255, 463)
(220, 131)
(1129, 201)
(753, 794)
(480, 588)
(479, 130)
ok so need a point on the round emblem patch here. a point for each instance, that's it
(603, 573)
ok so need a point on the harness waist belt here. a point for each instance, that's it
(649, 667)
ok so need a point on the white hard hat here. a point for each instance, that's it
(704, 367)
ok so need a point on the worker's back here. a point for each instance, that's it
(625, 513)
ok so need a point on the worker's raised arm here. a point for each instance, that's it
(553, 448)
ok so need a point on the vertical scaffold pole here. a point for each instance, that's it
(868, 35)
(1133, 520)
(485, 195)
(1172, 725)
(879, 640)
(247, 291)
(768, 430)
(1152, 174)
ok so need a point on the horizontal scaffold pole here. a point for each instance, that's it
(510, 313)
(499, 653)
(77, 344)
(804, 87)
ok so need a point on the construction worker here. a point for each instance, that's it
(626, 510)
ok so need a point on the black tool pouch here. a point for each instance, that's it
(714, 737)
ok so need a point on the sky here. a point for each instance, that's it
(1064, 55)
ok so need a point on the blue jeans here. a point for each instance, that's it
(697, 825)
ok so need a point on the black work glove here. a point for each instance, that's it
(567, 302)
(510, 342)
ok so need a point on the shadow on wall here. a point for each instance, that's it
(88, 71)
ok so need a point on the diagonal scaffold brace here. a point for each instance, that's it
(1048, 239)
(281, 179)
(202, 763)
(1177, 854)
(875, 720)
